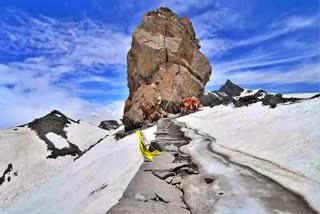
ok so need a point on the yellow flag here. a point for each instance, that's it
(144, 150)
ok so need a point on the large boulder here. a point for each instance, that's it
(164, 51)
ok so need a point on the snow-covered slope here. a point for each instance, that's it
(281, 143)
(32, 154)
(57, 165)
(91, 184)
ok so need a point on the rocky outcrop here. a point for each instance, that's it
(164, 67)
(109, 124)
(54, 122)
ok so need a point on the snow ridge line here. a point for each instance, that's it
(227, 159)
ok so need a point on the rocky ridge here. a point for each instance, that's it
(232, 93)
(165, 65)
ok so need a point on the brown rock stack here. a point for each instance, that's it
(164, 66)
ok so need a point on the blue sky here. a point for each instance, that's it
(71, 55)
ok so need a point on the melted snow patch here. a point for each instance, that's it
(58, 141)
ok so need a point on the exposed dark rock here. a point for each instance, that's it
(154, 145)
(208, 180)
(315, 96)
(109, 124)
(273, 100)
(231, 89)
(230, 93)
(54, 122)
(7, 171)
(222, 96)
(163, 174)
(103, 186)
(250, 99)
(122, 133)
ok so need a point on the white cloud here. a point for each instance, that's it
(57, 57)
(304, 73)
(209, 25)
(273, 59)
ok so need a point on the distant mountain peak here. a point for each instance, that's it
(231, 89)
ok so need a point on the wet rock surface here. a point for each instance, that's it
(165, 65)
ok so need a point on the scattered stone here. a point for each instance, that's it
(171, 148)
(169, 179)
(163, 174)
(103, 186)
(122, 133)
(170, 167)
(164, 157)
(151, 187)
(205, 199)
(176, 180)
(109, 124)
(140, 197)
(208, 180)
(154, 145)
(133, 206)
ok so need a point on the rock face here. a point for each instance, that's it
(164, 66)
